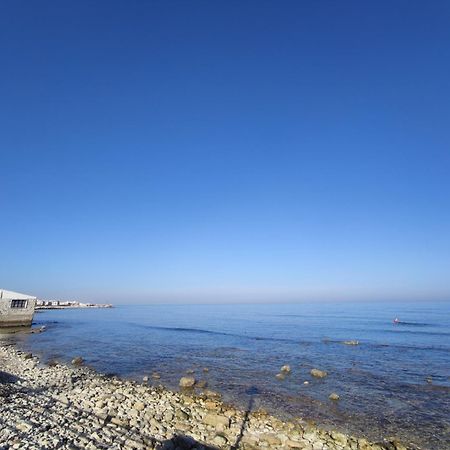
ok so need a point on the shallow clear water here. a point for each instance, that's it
(382, 381)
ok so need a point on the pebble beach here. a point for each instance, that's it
(50, 406)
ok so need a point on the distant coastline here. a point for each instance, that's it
(58, 304)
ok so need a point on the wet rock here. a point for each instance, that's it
(280, 376)
(334, 396)
(306, 382)
(212, 394)
(318, 373)
(77, 361)
(286, 369)
(145, 379)
(27, 356)
(187, 382)
(205, 369)
(156, 376)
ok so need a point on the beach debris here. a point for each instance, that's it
(352, 342)
(334, 396)
(187, 382)
(280, 376)
(318, 373)
(286, 369)
(77, 361)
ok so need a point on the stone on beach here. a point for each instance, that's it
(318, 373)
(187, 382)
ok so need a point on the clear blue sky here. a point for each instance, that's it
(233, 150)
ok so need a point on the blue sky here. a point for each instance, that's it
(225, 151)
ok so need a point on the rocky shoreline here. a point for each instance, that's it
(73, 407)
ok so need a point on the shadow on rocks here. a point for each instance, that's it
(182, 442)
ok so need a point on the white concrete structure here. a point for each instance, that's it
(16, 309)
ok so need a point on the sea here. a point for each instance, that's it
(394, 383)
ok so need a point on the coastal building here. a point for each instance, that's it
(16, 309)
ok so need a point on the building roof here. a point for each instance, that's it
(14, 295)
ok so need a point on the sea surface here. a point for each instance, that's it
(396, 382)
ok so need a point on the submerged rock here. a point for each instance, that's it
(319, 373)
(187, 382)
(334, 396)
(280, 376)
(77, 361)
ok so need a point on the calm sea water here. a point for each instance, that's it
(382, 382)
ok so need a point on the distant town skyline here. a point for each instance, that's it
(224, 152)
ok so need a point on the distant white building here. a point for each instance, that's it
(16, 309)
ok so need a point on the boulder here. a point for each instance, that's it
(318, 373)
(187, 382)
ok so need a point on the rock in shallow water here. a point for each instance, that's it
(334, 396)
(319, 373)
(187, 382)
